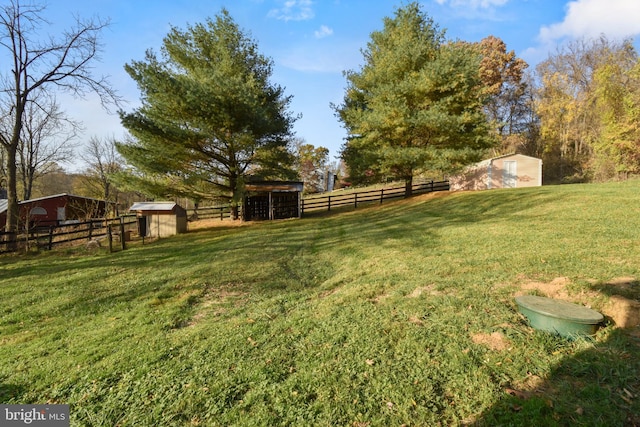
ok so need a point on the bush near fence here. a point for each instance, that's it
(57, 235)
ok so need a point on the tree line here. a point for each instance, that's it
(211, 119)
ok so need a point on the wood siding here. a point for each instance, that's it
(492, 173)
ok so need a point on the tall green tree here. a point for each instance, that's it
(573, 104)
(311, 164)
(616, 153)
(507, 108)
(210, 116)
(416, 104)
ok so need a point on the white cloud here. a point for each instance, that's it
(591, 18)
(473, 4)
(293, 10)
(324, 31)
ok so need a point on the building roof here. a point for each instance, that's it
(4, 203)
(275, 186)
(154, 206)
(487, 162)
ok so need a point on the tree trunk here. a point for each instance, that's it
(11, 226)
(408, 186)
(235, 196)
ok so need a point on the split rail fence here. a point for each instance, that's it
(337, 199)
(122, 227)
(55, 235)
(332, 201)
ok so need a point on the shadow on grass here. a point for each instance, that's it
(597, 387)
(288, 246)
(456, 208)
(268, 256)
(10, 392)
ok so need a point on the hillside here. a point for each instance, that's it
(399, 314)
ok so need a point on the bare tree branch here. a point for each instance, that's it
(40, 66)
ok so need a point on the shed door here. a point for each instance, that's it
(509, 175)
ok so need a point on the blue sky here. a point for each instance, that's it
(313, 41)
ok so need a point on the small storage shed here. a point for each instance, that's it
(508, 171)
(272, 200)
(160, 219)
(58, 209)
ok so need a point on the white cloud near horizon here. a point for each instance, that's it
(323, 32)
(293, 10)
(591, 18)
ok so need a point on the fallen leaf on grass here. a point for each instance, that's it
(520, 394)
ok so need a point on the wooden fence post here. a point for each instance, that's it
(50, 245)
(122, 233)
(329, 204)
(90, 229)
(110, 238)
(355, 201)
(381, 195)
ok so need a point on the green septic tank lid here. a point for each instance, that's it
(560, 309)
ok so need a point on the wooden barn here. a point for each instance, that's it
(272, 200)
(58, 209)
(508, 171)
(160, 219)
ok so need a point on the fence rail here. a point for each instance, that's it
(208, 212)
(50, 236)
(326, 203)
(54, 235)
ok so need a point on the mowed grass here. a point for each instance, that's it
(399, 314)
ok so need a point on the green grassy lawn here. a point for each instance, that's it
(399, 314)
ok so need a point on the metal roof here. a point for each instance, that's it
(275, 186)
(4, 202)
(153, 206)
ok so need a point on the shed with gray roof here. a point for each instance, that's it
(160, 219)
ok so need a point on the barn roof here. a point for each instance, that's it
(4, 203)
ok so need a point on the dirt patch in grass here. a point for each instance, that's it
(618, 299)
(429, 290)
(215, 303)
(215, 223)
(495, 341)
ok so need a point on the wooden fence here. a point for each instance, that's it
(326, 203)
(334, 200)
(55, 235)
(98, 229)
(208, 212)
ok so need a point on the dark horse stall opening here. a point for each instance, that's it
(272, 200)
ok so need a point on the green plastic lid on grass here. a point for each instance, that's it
(562, 317)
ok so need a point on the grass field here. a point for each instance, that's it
(400, 314)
